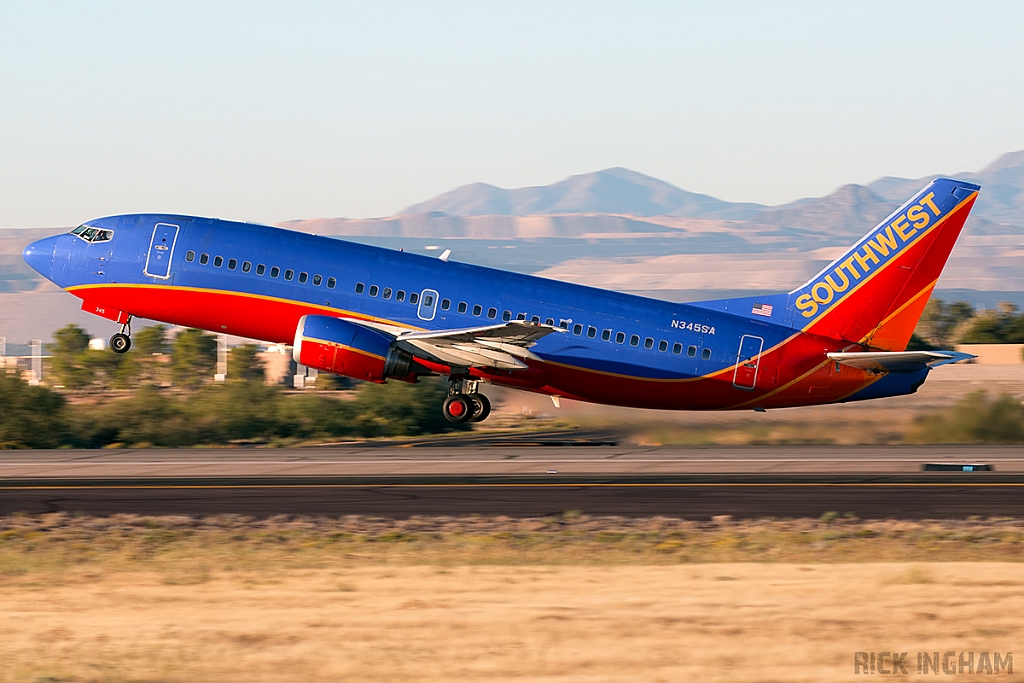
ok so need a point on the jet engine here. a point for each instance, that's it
(347, 348)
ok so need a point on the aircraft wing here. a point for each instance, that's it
(898, 361)
(502, 346)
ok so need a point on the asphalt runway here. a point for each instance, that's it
(517, 477)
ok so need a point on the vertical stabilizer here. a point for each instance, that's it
(874, 293)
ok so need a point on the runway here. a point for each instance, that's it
(517, 479)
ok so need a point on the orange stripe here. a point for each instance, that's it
(353, 349)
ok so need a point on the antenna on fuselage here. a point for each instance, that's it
(445, 254)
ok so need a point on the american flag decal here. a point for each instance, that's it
(762, 309)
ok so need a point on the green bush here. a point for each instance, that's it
(976, 418)
(30, 417)
(249, 411)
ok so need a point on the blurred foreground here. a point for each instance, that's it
(440, 599)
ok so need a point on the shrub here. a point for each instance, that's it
(976, 418)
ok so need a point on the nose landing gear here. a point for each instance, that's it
(121, 341)
(465, 403)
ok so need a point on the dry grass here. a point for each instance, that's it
(568, 599)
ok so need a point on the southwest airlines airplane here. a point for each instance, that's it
(374, 314)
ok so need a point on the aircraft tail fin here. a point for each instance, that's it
(875, 293)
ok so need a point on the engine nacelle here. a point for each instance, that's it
(346, 348)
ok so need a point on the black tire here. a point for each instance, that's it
(120, 343)
(457, 408)
(481, 407)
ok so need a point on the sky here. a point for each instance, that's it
(268, 111)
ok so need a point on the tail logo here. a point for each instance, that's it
(873, 252)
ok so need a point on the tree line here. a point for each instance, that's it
(238, 411)
(187, 363)
(171, 400)
(944, 325)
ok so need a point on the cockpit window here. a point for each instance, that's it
(90, 234)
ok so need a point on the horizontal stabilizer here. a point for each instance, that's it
(898, 361)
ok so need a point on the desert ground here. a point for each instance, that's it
(567, 599)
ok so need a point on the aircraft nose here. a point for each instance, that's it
(40, 254)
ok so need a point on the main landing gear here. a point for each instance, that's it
(122, 341)
(465, 403)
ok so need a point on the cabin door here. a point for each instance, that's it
(748, 359)
(428, 304)
(161, 248)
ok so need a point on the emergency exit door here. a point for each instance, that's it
(748, 359)
(161, 248)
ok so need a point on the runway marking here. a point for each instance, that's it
(510, 461)
(513, 485)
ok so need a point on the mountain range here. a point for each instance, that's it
(611, 191)
(625, 192)
(621, 201)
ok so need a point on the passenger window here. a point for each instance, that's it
(289, 274)
(317, 280)
(232, 263)
(606, 335)
(550, 321)
(591, 332)
(374, 289)
(677, 348)
(386, 294)
(303, 277)
(246, 266)
(477, 310)
(275, 271)
(535, 319)
(634, 340)
(506, 315)
(414, 298)
(204, 259)
(360, 287)
(577, 329)
(663, 345)
(620, 337)
(463, 306)
(691, 351)
(446, 304)
(521, 316)
(331, 282)
(492, 313)
(705, 354)
(564, 324)
(190, 256)
(218, 261)
(400, 295)
(428, 300)
(260, 269)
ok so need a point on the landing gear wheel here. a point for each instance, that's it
(457, 408)
(481, 407)
(120, 343)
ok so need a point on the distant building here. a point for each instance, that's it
(278, 366)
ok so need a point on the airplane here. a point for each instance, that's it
(376, 314)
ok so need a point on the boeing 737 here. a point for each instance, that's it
(377, 314)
